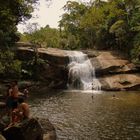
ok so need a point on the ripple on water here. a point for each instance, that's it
(77, 117)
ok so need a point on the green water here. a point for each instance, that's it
(78, 116)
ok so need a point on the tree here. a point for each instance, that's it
(45, 37)
(70, 22)
(11, 13)
(120, 32)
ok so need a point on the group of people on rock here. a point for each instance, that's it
(18, 109)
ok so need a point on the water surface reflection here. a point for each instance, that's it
(78, 116)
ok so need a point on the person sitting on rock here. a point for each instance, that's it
(12, 95)
(9, 99)
(15, 91)
(23, 109)
(15, 117)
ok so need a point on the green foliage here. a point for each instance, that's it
(46, 37)
(135, 51)
(31, 69)
(11, 13)
(69, 43)
(112, 24)
(135, 54)
(9, 67)
(70, 23)
(119, 29)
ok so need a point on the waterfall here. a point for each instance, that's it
(81, 72)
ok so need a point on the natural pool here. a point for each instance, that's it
(76, 116)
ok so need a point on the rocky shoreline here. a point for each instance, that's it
(31, 129)
(37, 128)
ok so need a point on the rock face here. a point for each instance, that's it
(121, 82)
(52, 55)
(108, 63)
(54, 71)
(113, 71)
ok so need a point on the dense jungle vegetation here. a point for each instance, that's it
(102, 25)
(108, 25)
(12, 12)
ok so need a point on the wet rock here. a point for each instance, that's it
(33, 129)
(121, 82)
(27, 130)
(48, 128)
(107, 63)
(116, 72)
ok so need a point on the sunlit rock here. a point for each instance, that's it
(109, 67)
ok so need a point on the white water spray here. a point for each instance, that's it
(81, 72)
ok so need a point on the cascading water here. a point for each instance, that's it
(81, 72)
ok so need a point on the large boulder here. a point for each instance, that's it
(27, 130)
(53, 76)
(116, 72)
(109, 63)
(120, 82)
(52, 55)
(54, 70)
(32, 129)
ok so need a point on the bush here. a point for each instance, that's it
(135, 51)
(9, 67)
